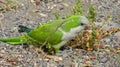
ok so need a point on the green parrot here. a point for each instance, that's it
(54, 34)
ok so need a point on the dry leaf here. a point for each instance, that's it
(35, 2)
(11, 62)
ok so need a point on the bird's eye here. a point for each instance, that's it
(82, 23)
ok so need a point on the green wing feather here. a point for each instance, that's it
(24, 29)
(73, 21)
(47, 30)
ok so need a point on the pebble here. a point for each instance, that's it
(117, 35)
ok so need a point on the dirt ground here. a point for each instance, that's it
(31, 16)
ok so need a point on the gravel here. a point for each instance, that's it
(31, 16)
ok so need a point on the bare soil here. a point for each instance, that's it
(31, 16)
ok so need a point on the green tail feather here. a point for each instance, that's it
(19, 39)
(15, 40)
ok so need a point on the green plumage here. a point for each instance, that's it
(15, 40)
(73, 21)
(56, 32)
(47, 30)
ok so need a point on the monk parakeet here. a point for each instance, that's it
(55, 33)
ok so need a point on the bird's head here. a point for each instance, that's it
(83, 21)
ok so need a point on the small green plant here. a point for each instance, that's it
(92, 18)
(92, 14)
(57, 15)
(1, 8)
(118, 59)
(77, 9)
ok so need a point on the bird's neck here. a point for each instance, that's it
(72, 33)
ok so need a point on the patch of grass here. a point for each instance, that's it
(9, 5)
